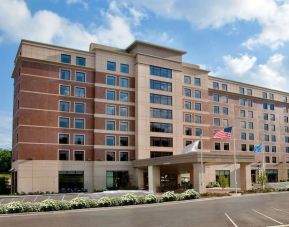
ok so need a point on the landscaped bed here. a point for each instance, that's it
(81, 203)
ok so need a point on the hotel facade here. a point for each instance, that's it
(116, 118)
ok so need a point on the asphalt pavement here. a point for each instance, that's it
(271, 209)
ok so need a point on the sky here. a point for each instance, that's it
(239, 40)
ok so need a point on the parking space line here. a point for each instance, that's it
(272, 219)
(230, 219)
(278, 225)
(281, 210)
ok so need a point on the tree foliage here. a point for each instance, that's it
(5, 160)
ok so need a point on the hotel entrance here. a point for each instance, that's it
(117, 180)
(71, 181)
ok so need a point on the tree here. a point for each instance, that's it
(223, 181)
(5, 160)
(262, 179)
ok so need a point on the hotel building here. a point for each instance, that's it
(113, 118)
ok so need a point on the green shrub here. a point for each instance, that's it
(128, 199)
(191, 194)
(31, 207)
(150, 198)
(104, 202)
(180, 197)
(63, 204)
(79, 203)
(116, 201)
(14, 207)
(3, 209)
(223, 181)
(168, 196)
(49, 205)
(213, 184)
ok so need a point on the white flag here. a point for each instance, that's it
(191, 147)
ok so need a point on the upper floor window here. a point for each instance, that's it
(65, 58)
(187, 92)
(111, 80)
(242, 113)
(123, 156)
(242, 102)
(224, 87)
(187, 79)
(161, 99)
(197, 81)
(249, 92)
(110, 110)
(158, 71)
(63, 138)
(161, 142)
(124, 68)
(215, 85)
(250, 102)
(80, 61)
(110, 95)
(250, 114)
(79, 107)
(198, 119)
(198, 131)
(241, 90)
(80, 76)
(284, 99)
(79, 92)
(216, 109)
(225, 99)
(78, 155)
(79, 139)
(123, 126)
(64, 90)
(123, 96)
(217, 121)
(188, 105)
(161, 113)
(65, 74)
(110, 140)
(272, 106)
(123, 82)
(225, 110)
(111, 66)
(271, 96)
(63, 155)
(216, 97)
(160, 85)
(188, 118)
(123, 111)
(64, 106)
(264, 95)
(79, 123)
(63, 122)
(265, 106)
(198, 94)
(198, 106)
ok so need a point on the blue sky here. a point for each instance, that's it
(240, 40)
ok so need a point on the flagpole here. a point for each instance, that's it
(202, 165)
(263, 167)
(235, 165)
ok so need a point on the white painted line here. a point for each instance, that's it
(23, 199)
(35, 198)
(62, 198)
(235, 225)
(278, 225)
(281, 210)
(272, 219)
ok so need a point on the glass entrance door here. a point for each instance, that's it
(117, 180)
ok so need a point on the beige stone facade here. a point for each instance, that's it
(95, 115)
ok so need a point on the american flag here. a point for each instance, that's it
(226, 133)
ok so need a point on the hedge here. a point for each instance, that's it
(81, 202)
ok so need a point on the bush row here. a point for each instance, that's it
(80, 202)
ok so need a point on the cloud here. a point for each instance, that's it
(81, 2)
(49, 27)
(6, 130)
(239, 65)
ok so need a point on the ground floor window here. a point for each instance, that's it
(272, 175)
(223, 177)
(71, 181)
(117, 180)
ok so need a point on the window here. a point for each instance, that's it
(111, 80)
(198, 94)
(187, 92)
(197, 81)
(161, 113)
(241, 90)
(265, 106)
(80, 61)
(271, 96)
(285, 110)
(217, 146)
(198, 106)
(272, 127)
(123, 111)
(123, 126)
(63, 138)
(110, 125)
(249, 92)
(65, 58)
(250, 114)
(161, 99)
(226, 146)
(274, 159)
(272, 106)
(111, 66)
(162, 72)
(215, 85)
(161, 127)
(225, 123)
(187, 79)
(188, 131)
(273, 138)
(243, 147)
(79, 123)
(63, 155)
(110, 156)
(242, 113)
(267, 148)
(225, 99)
(123, 156)
(79, 92)
(266, 137)
(243, 136)
(79, 107)
(64, 106)
(286, 129)
(64, 90)
(216, 97)
(264, 95)
(161, 142)
(216, 109)
(266, 116)
(251, 136)
(65, 74)
(286, 139)
(110, 95)
(285, 119)
(123, 141)
(80, 76)
(242, 102)
(79, 139)
(287, 149)
(160, 85)
(225, 111)
(251, 147)
(78, 155)
(217, 121)
(198, 119)
(267, 159)
(243, 124)
(188, 118)
(110, 110)
(250, 125)
(63, 122)
(198, 131)
(123, 96)
(249, 102)
(123, 82)
(124, 68)
(188, 105)
(224, 87)
(110, 140)
(284, 99)
(272, 117)
(274, 149)
(266, 127)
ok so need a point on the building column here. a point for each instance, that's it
(154, 178)
(139, 178)
(199, 186)
(245, 177)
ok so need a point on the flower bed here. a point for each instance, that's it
(81, 203)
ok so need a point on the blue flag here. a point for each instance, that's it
(258, 148)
